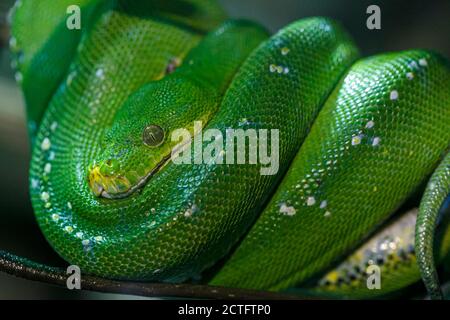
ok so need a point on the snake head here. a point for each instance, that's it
(139, 144)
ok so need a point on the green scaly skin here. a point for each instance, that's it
(43, 57)
(399, 136)
(119, 209)
(40, 67)
(437, 191)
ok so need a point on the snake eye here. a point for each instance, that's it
(153, 136)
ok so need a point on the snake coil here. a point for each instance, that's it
(357, 137)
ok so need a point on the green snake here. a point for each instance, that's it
(357, 138)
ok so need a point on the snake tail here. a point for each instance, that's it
(437, 191)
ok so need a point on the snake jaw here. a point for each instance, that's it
(117, 186)
(107, 186)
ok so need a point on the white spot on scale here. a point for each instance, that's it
(323, 204)
(79, 235)
(311, 201)
(70, 78)
(100, 73)
(423, 62)
(394, 95)
(285, 51)
(287, 210)
(34, 183)
(98, 238)
(13, 43)
(46, 144)
(356, 140)
(193, 209)
(47, 168)
(45, 196)
(327, 214)
(69, 205)
(376, 141)
(55, 217)
(68, 229)
(85, 242)
(54, 126)
(370, 124)
(410, 75)
(279, 69)
(51, 156)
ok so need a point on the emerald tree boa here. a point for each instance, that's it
(356, 137)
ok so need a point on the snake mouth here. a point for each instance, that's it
(117, 186)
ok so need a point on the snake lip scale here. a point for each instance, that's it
(136, 187)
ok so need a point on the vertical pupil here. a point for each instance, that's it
(153, 135)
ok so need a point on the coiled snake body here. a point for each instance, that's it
(356, 139)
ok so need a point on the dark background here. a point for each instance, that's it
(406, 24)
